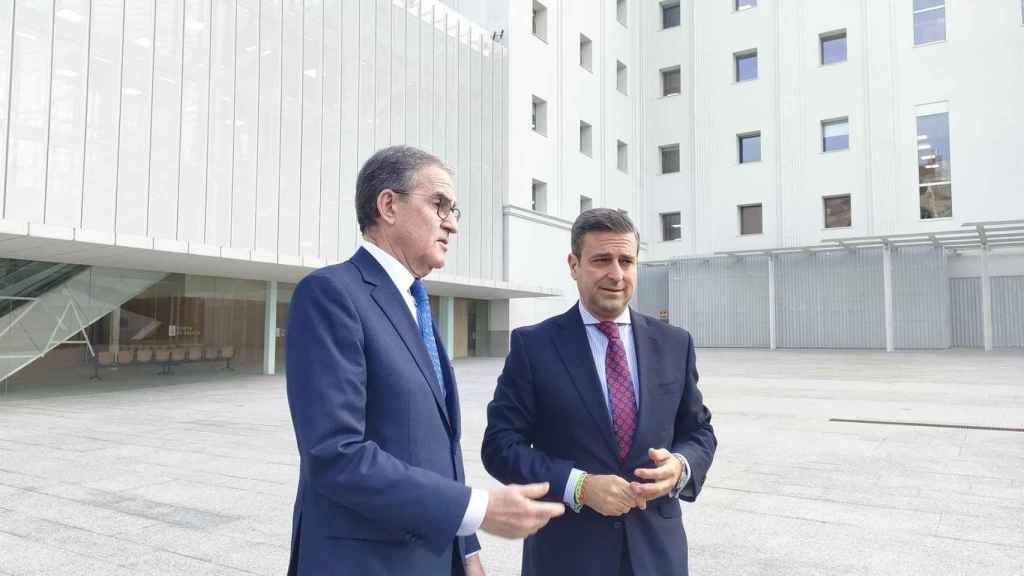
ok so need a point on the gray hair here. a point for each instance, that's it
(392, 168)
(600, 220)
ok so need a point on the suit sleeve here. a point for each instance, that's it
(694, 437)
(508, 453)
(327, 379)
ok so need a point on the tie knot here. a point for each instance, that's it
(419, 292)
(609, 329)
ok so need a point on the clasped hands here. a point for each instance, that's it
(611, 495)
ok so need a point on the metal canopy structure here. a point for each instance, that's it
(982, 237)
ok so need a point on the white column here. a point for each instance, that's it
(446, 322)
(270, 329)
(887, 278)
(772, 338)
(986, 300)
(115, 330)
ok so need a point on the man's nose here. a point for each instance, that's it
(450, 224)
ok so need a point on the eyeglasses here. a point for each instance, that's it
(445, 207)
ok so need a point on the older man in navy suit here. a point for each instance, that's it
(601, 402)
(374, 402)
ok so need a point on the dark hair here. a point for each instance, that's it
(600, 220)
(394, 168)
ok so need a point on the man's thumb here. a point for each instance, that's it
(535, 491)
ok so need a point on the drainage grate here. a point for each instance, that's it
(927, 425)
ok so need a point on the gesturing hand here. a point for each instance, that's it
(608, 495)
(514, 512)
(662, 478)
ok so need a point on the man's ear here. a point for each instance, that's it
(573, 263)
(386, 201)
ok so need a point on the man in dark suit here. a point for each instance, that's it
(602, 403)
(374, 402)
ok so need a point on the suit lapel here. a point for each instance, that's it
(574, 349)
(390, 301)
(644, 344)
(452, 397)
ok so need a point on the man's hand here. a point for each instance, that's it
(474, 567)
(661, 479)
(513, 512)
(608, 495)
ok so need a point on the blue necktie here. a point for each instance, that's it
(419, 293)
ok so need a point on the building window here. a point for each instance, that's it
(621, 77)
(540, 116)
(671, 81)
(669, 14)
(749, 147)
(833, 47)
(586, 53)
(933, 166)
(622, 12)
(750, 220)
(669, 158)
(539, 198)
(746, 65)
(586, 139)
(745, 4)
(837, 211)
(835, 134)
(540, 21)
(586, 203)
(671, 228)
(929, 21)
(623, 156)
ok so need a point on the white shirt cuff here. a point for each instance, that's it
(684, 478)
(475, 512)
(569, 495)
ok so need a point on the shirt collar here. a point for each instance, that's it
(589, 318)
(398, 273)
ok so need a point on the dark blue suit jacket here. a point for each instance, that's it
(549, 415)
(381, 483)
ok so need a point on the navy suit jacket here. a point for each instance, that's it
(381, 483)
(549, 415)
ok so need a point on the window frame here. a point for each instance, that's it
(668, 4)
(586, 126)
(824, 211)
(745, 54)
(833, 35)
(678, 226)
(534, 29)
(622, 158)
(669, 69)
(945, 17)
(589, 44)
(833, 122)
(736, 7)
(539, 109)
(739, 147)
(661, 158)
(739, 215)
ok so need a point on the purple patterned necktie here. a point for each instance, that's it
(620, 389)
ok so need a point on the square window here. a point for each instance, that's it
(622, 12)
(746, 65)
(670, 14)
(837, 211)
(833, 47)
(745, 4)
(586, 203)
(935, 186)
(671, 227)
(669, 158)
(671, 81)
(540, 21)
(835, 134)
(750, 220)
(749, 147)
(540, 116)
(586, 139)
(929, 21)
(621, 77)
(539, 198)
(622, 155)
(586, 53)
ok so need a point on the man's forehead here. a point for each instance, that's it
(437, 180)
(610, 242)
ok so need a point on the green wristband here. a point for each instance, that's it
(577, 493)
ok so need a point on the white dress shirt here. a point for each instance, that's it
(599, 350)
(403, 279)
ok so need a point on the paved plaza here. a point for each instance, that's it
(195, 473)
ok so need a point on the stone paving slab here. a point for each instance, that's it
(197, 477)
